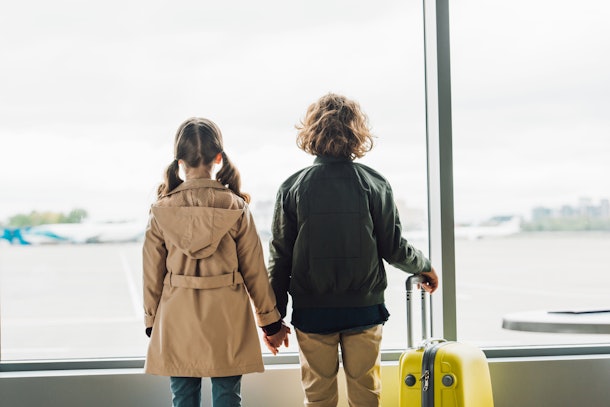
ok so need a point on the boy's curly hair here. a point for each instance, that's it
(335, 126)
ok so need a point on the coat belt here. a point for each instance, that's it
(203, 283)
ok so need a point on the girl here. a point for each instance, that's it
(203, 266)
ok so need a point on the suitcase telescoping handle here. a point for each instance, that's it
(413, 284)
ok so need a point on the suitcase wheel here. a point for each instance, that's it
(410, 380)
(448, 380)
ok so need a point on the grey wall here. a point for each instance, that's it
(517, 382)
(565, 382)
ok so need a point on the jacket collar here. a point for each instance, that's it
(197, 183)
(324, 159)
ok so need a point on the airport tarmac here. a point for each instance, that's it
(85, 301)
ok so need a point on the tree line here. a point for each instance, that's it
(581, 224)
(36, 218)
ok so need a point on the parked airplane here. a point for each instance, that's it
(87, 232)
(494, 227)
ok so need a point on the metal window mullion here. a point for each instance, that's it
(440, 164)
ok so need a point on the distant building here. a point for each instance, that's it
(262, 211)
(586, 215)
(540, 212)
(584, 205)
(605, 209)
(567, 211)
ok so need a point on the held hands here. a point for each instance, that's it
(274, 341)
(431, 283)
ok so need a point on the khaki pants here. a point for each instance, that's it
(361, 362)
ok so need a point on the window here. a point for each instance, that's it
(92, 96)
(530, 130)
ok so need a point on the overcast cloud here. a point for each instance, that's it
(91, 94)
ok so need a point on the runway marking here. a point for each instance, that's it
(27, 351)
(27, 322)
(136, 301)
(518, 290)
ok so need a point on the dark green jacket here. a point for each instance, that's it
(333, 224)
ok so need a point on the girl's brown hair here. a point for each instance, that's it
(335, 126)
(198, 141)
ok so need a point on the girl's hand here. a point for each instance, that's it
(273, 342)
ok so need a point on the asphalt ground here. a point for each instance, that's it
(85, 301)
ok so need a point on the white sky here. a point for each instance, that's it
(91, 94)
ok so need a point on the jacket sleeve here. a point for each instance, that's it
(154, 254)
(284, 233)
(394, 248)
(252, 267)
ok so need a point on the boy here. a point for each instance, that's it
(334, 222)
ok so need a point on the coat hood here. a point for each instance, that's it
(196, 230)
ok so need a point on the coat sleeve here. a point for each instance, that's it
(284, 233)
(252, 268)
(394, 248)
(154, 254)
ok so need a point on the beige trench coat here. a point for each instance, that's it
(204, 273)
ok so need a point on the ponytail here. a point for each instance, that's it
(229, 176)
(172, 179)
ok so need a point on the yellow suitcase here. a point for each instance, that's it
(439, 373)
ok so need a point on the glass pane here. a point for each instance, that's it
(530, 101)
(92, 96)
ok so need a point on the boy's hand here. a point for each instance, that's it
(431, 283)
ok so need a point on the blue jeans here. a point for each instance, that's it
(186, 391)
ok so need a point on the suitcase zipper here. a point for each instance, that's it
(427, 378)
